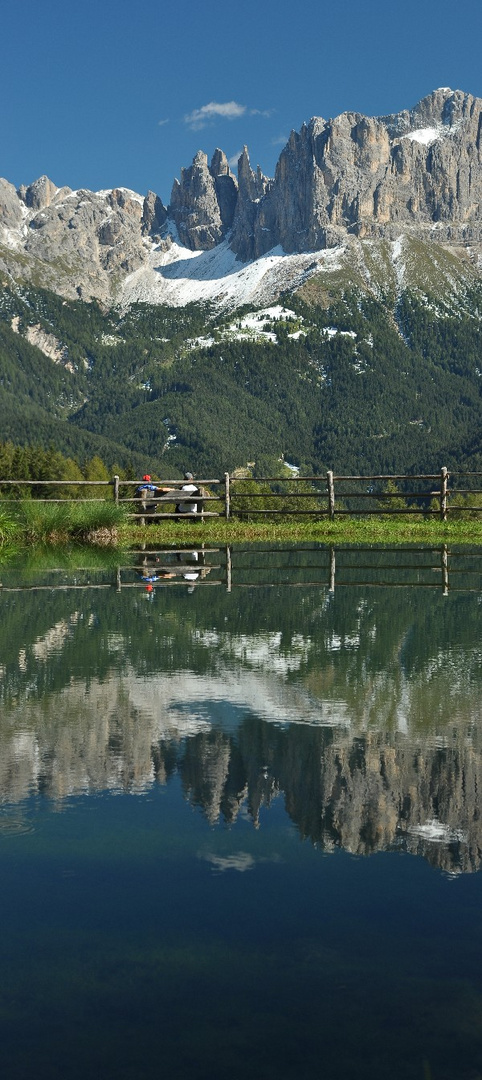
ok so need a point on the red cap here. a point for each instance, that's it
(146, 478)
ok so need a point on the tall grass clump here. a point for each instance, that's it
(8, 526)
(61, 523)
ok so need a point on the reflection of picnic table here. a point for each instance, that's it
(190, 566)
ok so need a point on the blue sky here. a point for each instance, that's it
(102, 94)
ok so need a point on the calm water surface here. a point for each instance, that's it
(240, 828)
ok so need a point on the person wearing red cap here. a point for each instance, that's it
(142, 492)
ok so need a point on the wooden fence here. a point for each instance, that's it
(329, 495)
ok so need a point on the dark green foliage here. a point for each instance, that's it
(390, 391)
(26, 374)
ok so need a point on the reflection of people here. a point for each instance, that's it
(187, 506)
(147, 572)
(193, 562)
(187, 565)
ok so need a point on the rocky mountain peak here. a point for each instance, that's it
(416, 172)
(226, 187)
(203, 201)
(154, 214)
(219, 164)
(372, 177)
(80, 240)
(194, 206)
(39, 194)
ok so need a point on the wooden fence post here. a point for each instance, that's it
(116, 489)
(227, 503)
(331, 494)
(444, 476)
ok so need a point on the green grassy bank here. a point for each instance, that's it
(24, 524)
(346, 530)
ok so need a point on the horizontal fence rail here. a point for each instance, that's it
(331, 495)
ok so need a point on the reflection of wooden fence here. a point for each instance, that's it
(327, 496)
(356, 567)
(321, 567)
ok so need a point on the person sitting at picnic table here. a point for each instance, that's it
(188, 506)
(148, 505)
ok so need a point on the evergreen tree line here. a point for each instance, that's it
(34, 463)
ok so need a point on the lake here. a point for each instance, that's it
(240, 827)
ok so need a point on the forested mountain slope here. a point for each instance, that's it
(339, 376)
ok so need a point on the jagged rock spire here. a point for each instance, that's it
(203, 201)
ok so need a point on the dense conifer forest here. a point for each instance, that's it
(357, 384)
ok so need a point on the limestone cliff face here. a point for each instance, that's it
(100, 229)
(353, 175)
(369, 177)
(78, 242)
(252, 188)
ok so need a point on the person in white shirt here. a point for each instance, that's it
(188, 506)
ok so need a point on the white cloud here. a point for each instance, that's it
(227, 110)
(280, 140)
(162, 122)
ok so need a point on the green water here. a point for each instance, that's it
(239, 816)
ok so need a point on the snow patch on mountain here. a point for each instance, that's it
(255, 326)
(176, 276)
(332, 331)
(399, 263)
(425, 136)
(107, 193)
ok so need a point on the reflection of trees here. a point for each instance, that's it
(351, 637)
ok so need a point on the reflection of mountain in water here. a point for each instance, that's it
(363, 790)
(359, 710)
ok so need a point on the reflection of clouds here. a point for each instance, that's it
(239, 860)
